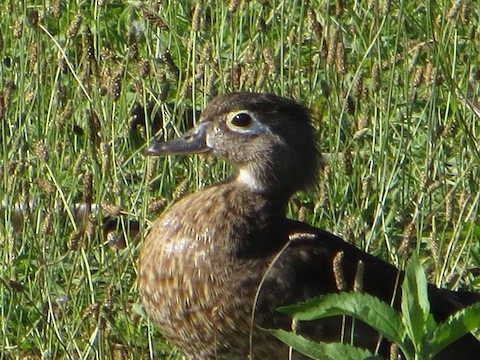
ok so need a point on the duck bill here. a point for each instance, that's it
(192, 142)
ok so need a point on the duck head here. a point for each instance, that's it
(269, 140)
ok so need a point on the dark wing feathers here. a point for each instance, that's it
(305, 270)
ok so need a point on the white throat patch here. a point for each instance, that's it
(248, 178)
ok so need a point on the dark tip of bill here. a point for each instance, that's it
(153, 149)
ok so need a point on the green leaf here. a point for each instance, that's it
(456, 326)
(415, 305)
(320, 350)
(365, 307)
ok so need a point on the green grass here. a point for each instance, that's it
(393, 92)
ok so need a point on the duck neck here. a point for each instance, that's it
(268, 185)
(260, 225)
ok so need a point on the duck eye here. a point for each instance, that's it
(242, 120)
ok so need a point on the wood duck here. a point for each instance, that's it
(216, 266)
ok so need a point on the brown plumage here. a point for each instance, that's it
(218, 263)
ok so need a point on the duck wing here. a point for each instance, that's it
(317, 262)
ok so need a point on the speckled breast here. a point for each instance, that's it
(199, 295)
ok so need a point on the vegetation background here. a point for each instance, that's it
(393, 88)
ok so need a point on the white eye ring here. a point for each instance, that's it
(244, 122)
